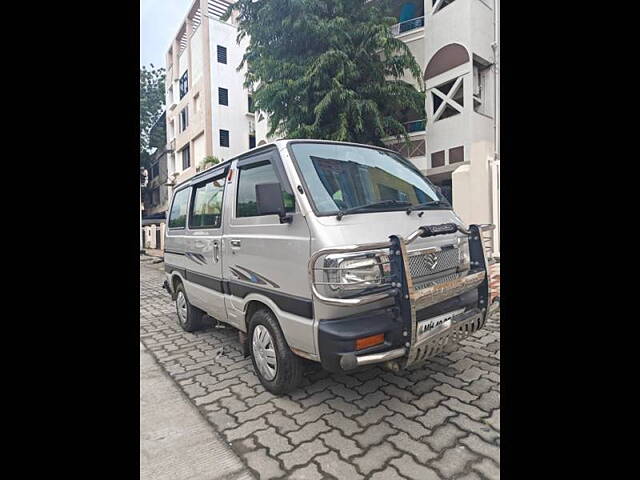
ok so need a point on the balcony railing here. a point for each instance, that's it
(416, 126)
(412, 24)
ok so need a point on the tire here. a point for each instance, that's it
(194, 316)
(283, 370)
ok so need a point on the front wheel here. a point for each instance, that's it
(277, 367)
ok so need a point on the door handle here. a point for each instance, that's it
(235, 243)
(216, 251)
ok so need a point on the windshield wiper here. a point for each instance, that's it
(432, 203)
(383, 203)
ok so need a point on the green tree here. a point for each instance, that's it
(151, 106)
(328, 69)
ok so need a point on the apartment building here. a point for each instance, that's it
(457, 144)
(209, 112)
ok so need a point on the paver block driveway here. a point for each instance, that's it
(436, 421)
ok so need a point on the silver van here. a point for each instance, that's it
(338, 253)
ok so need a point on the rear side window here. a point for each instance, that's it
(178, 215)
(248, 178)
(206, 208)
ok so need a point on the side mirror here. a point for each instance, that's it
(269, 201)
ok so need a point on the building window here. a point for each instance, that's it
(223, 96)
(222, 54)
(249, 177)
(440, 4)
(184, 84)
(155, 196)
(456, 155)
(448, 99)
(184, 119)
(250, 106)
(224, 138)
(178, 214)
(206, 209)
(155, 171)
(252, 141)
(437, 159)
(186, 157)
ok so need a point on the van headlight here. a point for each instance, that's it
(350, 274)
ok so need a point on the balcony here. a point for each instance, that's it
(407, 25)
(416, 126)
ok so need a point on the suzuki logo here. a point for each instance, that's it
(432, 260)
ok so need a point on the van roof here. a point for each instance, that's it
(279, 144)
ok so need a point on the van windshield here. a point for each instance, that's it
(347, 178)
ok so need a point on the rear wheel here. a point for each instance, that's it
(189, 317)
(277, 367)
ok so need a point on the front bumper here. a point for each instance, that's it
(336, 338)
(467, 292)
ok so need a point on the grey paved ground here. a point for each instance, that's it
(439, 421)
(176, 443)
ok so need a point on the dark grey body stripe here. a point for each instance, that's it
(288, 303)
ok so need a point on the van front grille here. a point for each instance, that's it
(425, 263)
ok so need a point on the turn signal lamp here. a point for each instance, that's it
(366, 342)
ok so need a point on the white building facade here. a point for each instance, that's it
(209, 112)
(457, 145)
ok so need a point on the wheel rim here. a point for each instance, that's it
(181, 303)
(264, 352)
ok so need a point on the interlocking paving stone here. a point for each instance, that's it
(435, 417)
(303, 453)
(372, 423)
(334, 465)
(275, 443)
(343, 445)
(389, 473)
(488, 468)
(374, 434)
(309, 432)
(461, 407)
(342, 423)
(376, 457)
(481, 447)
(310, 472)
(420, 450)
(264, 466)
(488, 401)
(454, 461)
(445, 436)
(408, 467)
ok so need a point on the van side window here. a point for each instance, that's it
(178, 215)
(248, 178)
(206, 207)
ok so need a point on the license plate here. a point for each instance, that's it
(433, 326)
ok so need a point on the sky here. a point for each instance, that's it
(159, 22)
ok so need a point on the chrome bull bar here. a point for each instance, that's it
(435, 292)
(409, 300)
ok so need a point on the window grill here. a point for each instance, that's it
(223, 96)
(224, 138)
(222, 54)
